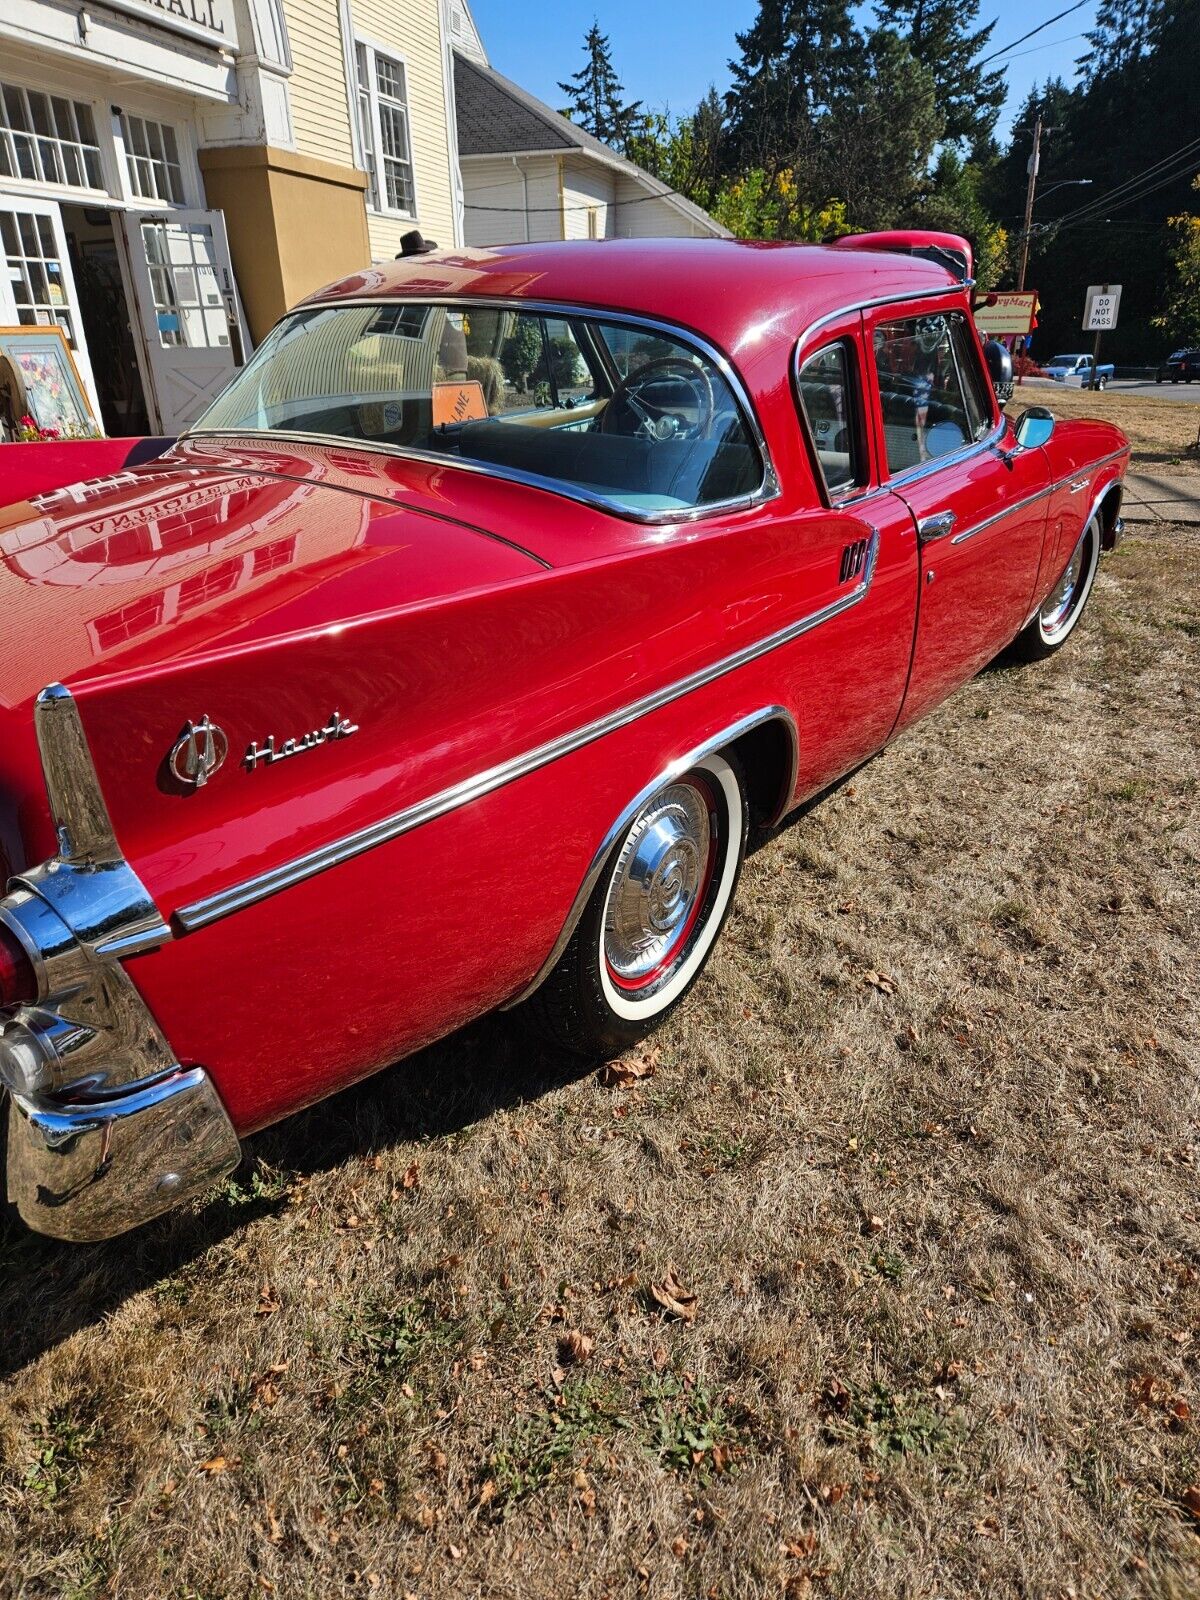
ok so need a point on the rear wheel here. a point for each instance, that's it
(1063, 606)
(653, 917)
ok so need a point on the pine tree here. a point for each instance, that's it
(1123, 32)
(794, 59)
(967, 96)
(596, 94)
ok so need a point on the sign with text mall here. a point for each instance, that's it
(210, 20)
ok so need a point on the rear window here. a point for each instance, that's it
(630, 415)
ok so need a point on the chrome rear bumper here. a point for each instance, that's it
(106, 1128)
(92, 1165)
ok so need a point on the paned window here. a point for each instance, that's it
(383, 127)
(152, 159)
(48, 139)
(30, 256)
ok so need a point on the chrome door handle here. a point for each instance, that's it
(936, 526)
(1079, 484)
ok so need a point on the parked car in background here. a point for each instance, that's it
(448, 661)
(1077, 369)
(1181, 366)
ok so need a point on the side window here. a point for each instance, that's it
(830, 408)
(925, 408)
(975, 388)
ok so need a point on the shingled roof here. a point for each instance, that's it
(497, 117)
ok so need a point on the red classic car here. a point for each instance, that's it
(446, 663)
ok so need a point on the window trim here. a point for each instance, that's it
(128, 156)
(768, 488)
(850, 343)
(377, 176)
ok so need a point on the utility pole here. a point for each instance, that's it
(1029, 193)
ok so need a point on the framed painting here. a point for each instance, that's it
(51, 389)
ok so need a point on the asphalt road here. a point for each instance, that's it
(1162, 391)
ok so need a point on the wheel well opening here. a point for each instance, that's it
(768, 757)
(1108, 511)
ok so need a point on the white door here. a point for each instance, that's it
(188, 308)
(37, 287)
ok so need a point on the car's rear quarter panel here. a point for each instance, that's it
(325, 980)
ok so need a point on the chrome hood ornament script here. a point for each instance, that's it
(199, 751)
(338, 727)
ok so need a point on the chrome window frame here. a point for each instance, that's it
(860, 433)
(923, 470)
(768, 488)
(907, 474)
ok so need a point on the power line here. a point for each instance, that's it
(1041, 28)
(1049, 45)
(1189, 151)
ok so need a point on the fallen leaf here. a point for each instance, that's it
(411, 1179)
(832, 1493)
(575, 1346)
(1191, 1499)
(986, 1527)
(679, 1546)
(268, 1301)
(628, 1070)
(214, 1465)
(799, 1549)
(880, 981)
(674, 1299)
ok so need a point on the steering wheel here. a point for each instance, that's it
(652, 418)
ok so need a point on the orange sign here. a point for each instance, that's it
(458, 402)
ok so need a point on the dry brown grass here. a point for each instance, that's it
(922, 1143)
(1163, 432)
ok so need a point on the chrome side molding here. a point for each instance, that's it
(199, 913)
(106, 1129)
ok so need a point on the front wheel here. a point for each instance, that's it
(1063, 606)
(653, 917)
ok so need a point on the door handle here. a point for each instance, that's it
(1079, 484)
(937, 526)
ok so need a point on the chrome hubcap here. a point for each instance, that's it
(1056, 612)
(658, 887)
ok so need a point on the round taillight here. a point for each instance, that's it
(18, 985)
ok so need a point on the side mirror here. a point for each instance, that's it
(1034, 427)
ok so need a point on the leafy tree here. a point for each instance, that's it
(596, 95)
(794, 58)
(1180, 317)
(758, 206)
(967, 96)
(684, 152)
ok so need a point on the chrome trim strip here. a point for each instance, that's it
(1051, 488)
(900, 298)
(604, 850)
(200, 913)
(768, 489)
(999, 516)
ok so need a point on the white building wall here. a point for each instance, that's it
(589, 191)
(640, 217)
(510, 202)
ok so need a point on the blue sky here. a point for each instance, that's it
(667, 52)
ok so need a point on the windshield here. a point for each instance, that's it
(1065, 361)
(629, 415)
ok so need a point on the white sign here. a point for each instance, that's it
(210, 20)
(1101, 307)
(1009, 313)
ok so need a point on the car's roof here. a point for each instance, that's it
(725, 289)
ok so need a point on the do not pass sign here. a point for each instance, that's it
(1101, 306)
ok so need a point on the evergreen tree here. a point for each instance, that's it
(794, 59)
(596, 95)
(1123, 32)
(968, 97)
(881, 131)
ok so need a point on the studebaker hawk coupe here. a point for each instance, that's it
(447, 662)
